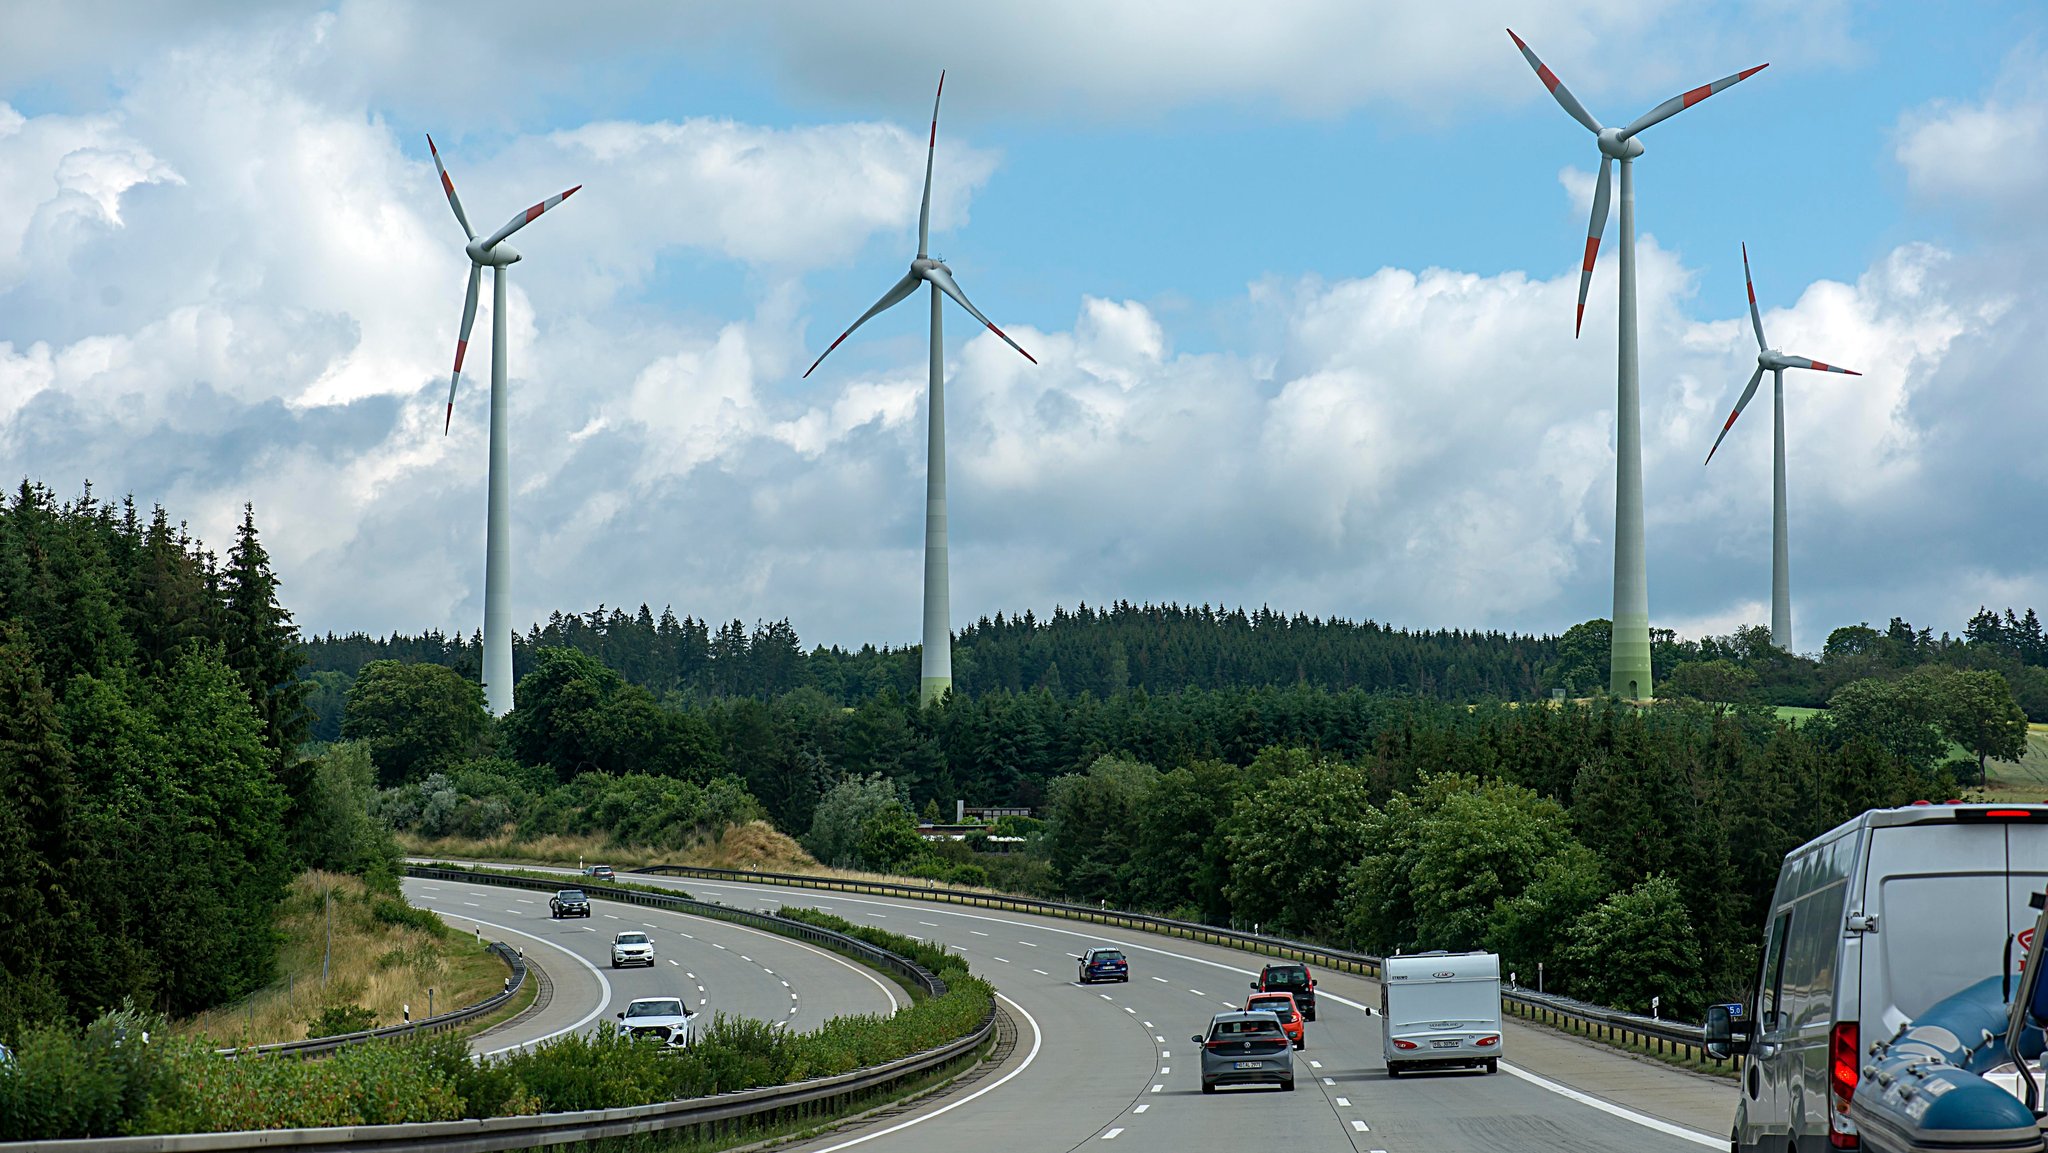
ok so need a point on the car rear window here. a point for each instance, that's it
(1245, 1028)
(1273, 1006)
(1108, 955)
(1287, 975)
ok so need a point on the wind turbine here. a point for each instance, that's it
(1776, 362)
(1630, 676)
(937, 674)
(494, 253)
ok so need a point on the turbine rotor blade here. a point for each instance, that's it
(1594, 229)
(1557, 89)
(1756, 319)
(448, 185)
(1817, 365)
(947, 285)
(1755, 378)
(890, 299)
(1685, 100)
(924, 210)
(528, 217)
(476, 273)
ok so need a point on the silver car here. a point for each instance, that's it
(1246, 1049)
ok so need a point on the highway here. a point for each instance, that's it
(716, 966)
(1114, 1062)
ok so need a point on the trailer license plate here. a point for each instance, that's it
(1443, 1044)
(1251, 1064)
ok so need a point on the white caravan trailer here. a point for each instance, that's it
(1872, 923)
(1440, 1010)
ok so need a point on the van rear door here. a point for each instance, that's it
(1950, 899)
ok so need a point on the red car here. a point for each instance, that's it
(1281, 1005)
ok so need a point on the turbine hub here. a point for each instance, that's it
(497, 256)
(925, 264)
(1615, 146)
(1770, 358)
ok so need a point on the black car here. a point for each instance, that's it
(1295, 979)
(569, 903)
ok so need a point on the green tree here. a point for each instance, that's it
(1289, 843)
(414, 719)
(1716, 680)
(1178, 862)
(342, 837)
(1584, 654)
(1635, 945)
(1978, 712)
(1092, 822)
(35, 798)
(843, 815)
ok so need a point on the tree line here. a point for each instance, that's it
(153, 802)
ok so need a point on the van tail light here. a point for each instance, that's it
(1485, 1042)
(1842, 1074)
(1404, 1045)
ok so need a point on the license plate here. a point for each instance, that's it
(1251, 1064)
(1444, 1044)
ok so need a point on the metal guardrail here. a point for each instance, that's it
(802, 1100)
(1670, 1038)
(317, 1046)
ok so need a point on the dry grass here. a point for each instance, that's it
(756, 844)
(377, 965)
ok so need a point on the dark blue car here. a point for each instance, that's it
(1103, 965)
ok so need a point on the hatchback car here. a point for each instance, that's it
(1290, 978)
(666, 1019)
(1281, 1005)
(601, 873)
(1103, 964)
(1246, 1049)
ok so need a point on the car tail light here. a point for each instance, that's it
(1842, 1074)
(1404, 1045)
(1483, 1042)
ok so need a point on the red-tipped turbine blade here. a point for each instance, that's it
(1564, 95)
(890, 299)
(1755, 378)
(947, 285)
(528, 217)
(476, 273)
(924, 209)
(1818, 366)
(448, 186)
(1685, 100)
(1594, 229)
(1756, 319)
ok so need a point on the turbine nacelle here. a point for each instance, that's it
(923, 266)
(1615, 145)
(496, 256)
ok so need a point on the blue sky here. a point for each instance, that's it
(1300, 277)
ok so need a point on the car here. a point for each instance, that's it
(569, 903)
(601, 873)
(666, 1019)
(1290, 978)
(1102, 964)
(1246, 1049)
(632, 948)
(1281, 1005)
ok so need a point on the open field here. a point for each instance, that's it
(378, 962)
(2026, 780)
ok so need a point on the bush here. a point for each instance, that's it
(335, 1020)
(96, 1082)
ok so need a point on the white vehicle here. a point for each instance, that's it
(632, 948)
(665, 1018)
(1440, 1010)
(1871, 924)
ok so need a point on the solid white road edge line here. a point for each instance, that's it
(1626, 1114)
(1037, 1040)
(602, 1004)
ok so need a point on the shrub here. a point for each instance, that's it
(334, 1020)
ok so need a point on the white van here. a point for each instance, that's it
(1872, 923)
(1440, 1010)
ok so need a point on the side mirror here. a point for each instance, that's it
(1196, 1039)
(1255, 984)
(620, 1016)
(1311, 984)
(1727, 1030)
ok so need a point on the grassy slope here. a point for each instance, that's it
(377, 965)
(753, 845)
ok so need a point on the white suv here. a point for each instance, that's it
(632, 948)
(665, 1018)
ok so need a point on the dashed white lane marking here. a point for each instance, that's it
(1162, 980)
(1166, 1052)
(1343, 1102)
(1131, 1011)
(1031, 944)
(1041, 972)
(675, 962)
(1164, 1070)
(1104, 996)
(1198, 992)
(645, 925)
(1150, 1025)
(522, 900)
(1004, 960)
(929, 924)
(1156, 1037)
(690, 975)
(977, 932)
(1329, 1081)
(1612, 1109)
(785, 985)
(718, 946)
(424, 889)
(1358, 1125)
(515, 912)
(1142, 1108)
(611, 916)
(744, 957)
(1315, 1064)
(1111, 1135)
(588, 929)
(686, 935)
(1158, 1088)
(770, 972)
(1037, 1040)
(472, 904)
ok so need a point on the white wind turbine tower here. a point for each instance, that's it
(937, 674)
(492, 252)
(1768, 358)
(1630, 678)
